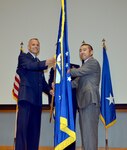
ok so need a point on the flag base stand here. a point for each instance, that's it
(106, 144)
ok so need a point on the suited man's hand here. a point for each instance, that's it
(68, 71)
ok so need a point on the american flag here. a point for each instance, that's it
(15, 89)
(15, 92)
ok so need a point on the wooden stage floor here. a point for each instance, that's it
(51, 148)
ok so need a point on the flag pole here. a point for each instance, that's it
(52, 100)
(106, 139)
(21, 46)
(106, 130)
(15, 126)
(21, 49)
(103, 43)
(51, 109)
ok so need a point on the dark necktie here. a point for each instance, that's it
(36, 59)
(83, 62)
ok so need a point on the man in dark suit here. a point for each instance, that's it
(88, 98)
(74, 101)
(32, 84)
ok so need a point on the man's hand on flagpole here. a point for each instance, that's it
(51, 92)
(69, 70)
(53, 85)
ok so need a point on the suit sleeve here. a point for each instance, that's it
(75, 83)
(88, 68)
(29, 64)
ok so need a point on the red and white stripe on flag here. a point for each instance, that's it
(16, 87)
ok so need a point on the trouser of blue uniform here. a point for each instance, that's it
(28, 126)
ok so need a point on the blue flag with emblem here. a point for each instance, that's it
(64, 132)
(108, 112)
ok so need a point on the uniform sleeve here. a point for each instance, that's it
(26, 63)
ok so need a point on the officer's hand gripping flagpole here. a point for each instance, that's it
(52, 101)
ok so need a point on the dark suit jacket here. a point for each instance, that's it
(32, 79)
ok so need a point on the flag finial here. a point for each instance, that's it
(103, 42)
(83, 42)
(21, 46)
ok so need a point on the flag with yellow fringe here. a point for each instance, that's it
(64, 132)
(108, 112)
